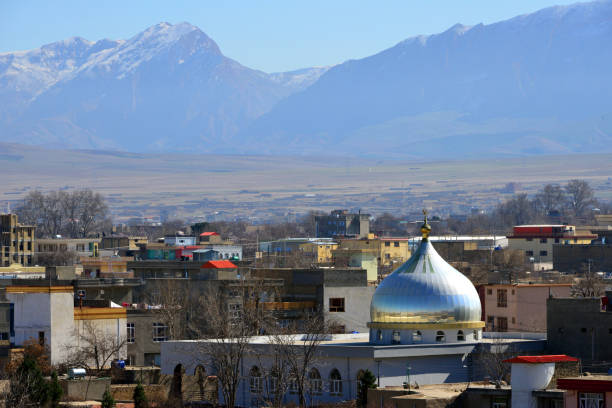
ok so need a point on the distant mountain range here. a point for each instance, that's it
(536, 84)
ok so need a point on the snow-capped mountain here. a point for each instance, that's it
(537, 83)
(168, 87)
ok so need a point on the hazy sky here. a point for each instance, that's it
(269, 35)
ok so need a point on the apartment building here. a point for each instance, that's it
(16, 241)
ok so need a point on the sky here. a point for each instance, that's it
(272, 36)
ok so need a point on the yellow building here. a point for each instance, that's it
(122, 241)
(16, 241)
(388, 250)
(19, 271)
(321, 251)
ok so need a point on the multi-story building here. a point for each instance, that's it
(341, 223)
(388, 250)
(537, 241)
(518, 307)
(16, 241)
(580, 258)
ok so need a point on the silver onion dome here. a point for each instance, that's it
(425, 290)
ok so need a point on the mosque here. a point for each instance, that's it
(425, 328)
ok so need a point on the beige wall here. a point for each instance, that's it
(536, 245)
(526, 304)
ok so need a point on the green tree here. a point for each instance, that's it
(27, 385)
(140, 399)
(55, 390)
(365, 381)
(107, 400)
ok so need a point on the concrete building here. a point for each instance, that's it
(580, 258)
(424, 320)
(582, 327)
(341, 223)
(180, 240)
(537, 241)
(83, 247)
(123, 241)
(592, 391)
(358, 258)
(519, 307)
(389, 251)
(343, 294)
(318, 250)
(106, 267)
(17, 241)
(22, 272)
(47, 315)
(145, 333)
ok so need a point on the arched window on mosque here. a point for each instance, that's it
(460, 336)
(314, 377)
(255, 383)
(396, 339)
(417, 336)
(335, 382)
(440, 337)
(379, 335)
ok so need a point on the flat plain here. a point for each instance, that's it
(199, 186)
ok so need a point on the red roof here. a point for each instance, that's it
(224, 264)
(208, 234)
(556, 358)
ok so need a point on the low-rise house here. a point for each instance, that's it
(47, 314)
(582, 327)
(587, 391)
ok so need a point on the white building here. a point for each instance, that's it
(424, 328)
(47, 314)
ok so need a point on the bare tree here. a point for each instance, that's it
(94, 346)
(492, 360)
(227, 329)
(55, 258)
(302, 356)
(75, 213)
(580, 196)
(509, 262)
(589, 285)
(171, 300)
(550, 198)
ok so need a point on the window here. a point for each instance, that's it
(41, 338)
(396, 339)
(529, 253)
(335, 383)
(131, 333)
(440, 337)
(543, 240)
(460, 336)
(583, 330)
(417, 337)
(316, 386)
(591, 400)
(396, 244)
(543, 253)
(489, 291)
(336, 304)
(293, 387)
(379, 335)
(234, 310)
(502, 324)
(513, 320)
(131, 360)
(388, 256)
(556, 240)
(387, 243)
(491, 321)
(255, 384)
(610, 331)
(160, 332)
(499, 402)
(502, 298)
(512, 291)
(476, 336)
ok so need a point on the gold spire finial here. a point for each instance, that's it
(425, 228)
